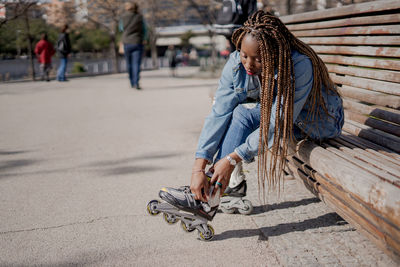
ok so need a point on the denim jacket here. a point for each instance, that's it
(232, 91)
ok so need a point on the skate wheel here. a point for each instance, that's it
(249, 207)
(151, 207)
(208, 233)
(227, 211)
(186, 228)
(170, 218)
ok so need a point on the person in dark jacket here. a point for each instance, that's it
(232, 16)
(132, 38)
(63, 49)
(44, 51)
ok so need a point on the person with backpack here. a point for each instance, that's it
(63, 49)
(133, 37)
(44, 51)
(232, 15)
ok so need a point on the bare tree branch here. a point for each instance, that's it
(20, 9)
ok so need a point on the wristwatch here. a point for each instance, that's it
(231, 160)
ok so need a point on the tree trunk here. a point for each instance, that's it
(153, 48)
(289, 7)
(308, 5)
(115, 56)
(213, 51)
(30, 46)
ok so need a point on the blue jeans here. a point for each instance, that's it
(245, 120)
(133, 57)
(62, 69)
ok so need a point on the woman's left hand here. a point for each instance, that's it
(222, 174)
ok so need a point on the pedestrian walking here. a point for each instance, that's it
(170, 54)
(274, 89)
(44, 50)
(132, 38)
(63, 49)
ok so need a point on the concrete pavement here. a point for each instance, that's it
(80, 160)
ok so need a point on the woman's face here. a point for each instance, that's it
(250, 56)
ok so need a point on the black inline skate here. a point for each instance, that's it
(180, 205)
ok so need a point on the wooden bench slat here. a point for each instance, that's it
(378, 173)
(358, 50)
(373, 156)
(386, 171)
(383, 113)
(384, 139)
(352, 21)
(353, 40)
(349, 207)
(371, 147)
(362, 62)
(380, 195)
(351, 10)
(383, 75)
(344, 31)
(368, 96)
(374, 123)
(374, 85)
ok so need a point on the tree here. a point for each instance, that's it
(24, 9)
(15, 10)
(158, 13)
(185, 38)
(106, 14)
(207, 11)
(60, 13)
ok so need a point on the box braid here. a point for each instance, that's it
(275, 43)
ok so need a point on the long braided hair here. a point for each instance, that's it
(275, 43)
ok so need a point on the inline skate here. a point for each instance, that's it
(180, 205)
(232, 199)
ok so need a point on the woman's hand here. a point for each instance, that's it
(222, 174)
(200, 186)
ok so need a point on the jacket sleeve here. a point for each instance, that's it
(217, 122)
(303, 85)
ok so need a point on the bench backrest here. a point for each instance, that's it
(360, 45)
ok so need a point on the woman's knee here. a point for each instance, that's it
(246, 116)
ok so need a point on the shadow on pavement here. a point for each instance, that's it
(289, 204)
(13, 164)
(284, 205)
(181, 86)
(5, 153)
(326, 220)
(128, 160)
(130, 170)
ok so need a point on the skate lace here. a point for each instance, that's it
(185, 189)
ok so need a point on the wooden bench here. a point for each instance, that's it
(358, 174)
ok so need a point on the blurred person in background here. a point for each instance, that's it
(44, 51)
(132, 38)
(63, 49)
(170, 54)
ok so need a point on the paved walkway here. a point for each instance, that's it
(80, 160)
